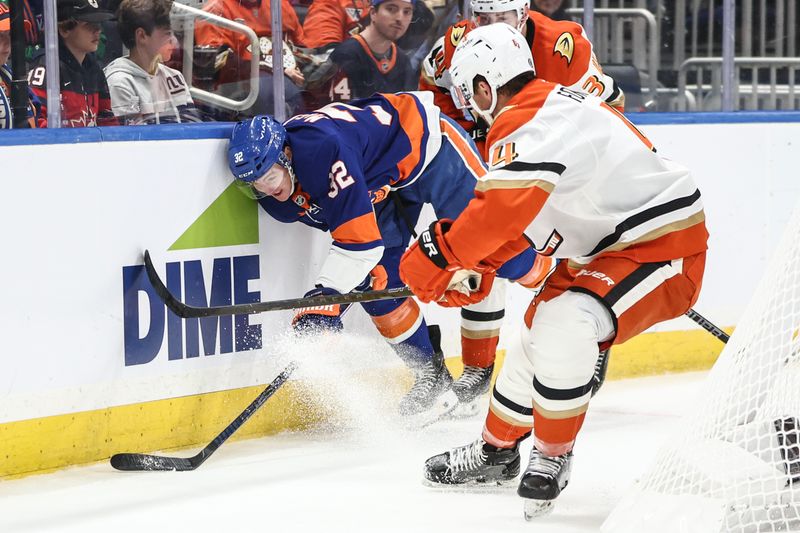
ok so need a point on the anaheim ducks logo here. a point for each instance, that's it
(565, 46)
(457, 34)
(452, 37)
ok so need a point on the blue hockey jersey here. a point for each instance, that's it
(346, 157)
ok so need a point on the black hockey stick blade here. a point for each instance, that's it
(144, 462)
(707, 325)
(135, 462)
(189, 311)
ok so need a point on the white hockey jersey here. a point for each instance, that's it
(571, 175)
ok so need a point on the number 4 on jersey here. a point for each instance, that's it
(504, 154)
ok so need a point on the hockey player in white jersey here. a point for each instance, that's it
(572, 176)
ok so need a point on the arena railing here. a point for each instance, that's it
(184, 18)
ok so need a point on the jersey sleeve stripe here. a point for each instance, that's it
(362, 229)
(648, 214)
(465, 151)
(494, 184)
(522, 166)
(414, 125)
(614, 94)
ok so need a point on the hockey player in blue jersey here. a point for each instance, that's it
(363, 171)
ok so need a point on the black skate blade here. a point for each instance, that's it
(135, 462)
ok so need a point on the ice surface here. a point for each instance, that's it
(361, 474)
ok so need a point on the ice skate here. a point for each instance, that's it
(477, 463)
(431, 397)
(600, 369)
(469, 388)
(543, 481)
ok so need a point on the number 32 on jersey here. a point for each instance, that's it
(340, 179)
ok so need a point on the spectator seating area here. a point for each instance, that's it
(666, 55)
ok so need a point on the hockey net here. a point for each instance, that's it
(734, 464)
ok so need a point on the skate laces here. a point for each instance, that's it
(425, 380)
(472, 376)
(467, 457)
(547, 466)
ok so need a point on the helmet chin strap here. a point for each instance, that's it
(522, 15)
(485, 114)
(286, 162)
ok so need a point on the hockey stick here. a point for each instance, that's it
(143, 461)
(708, 326)
(189, 311)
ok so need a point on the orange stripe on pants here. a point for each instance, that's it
(479, 352)
(555, 437)
(502, 434)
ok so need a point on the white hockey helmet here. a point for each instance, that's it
(520, 7)
(497, 52)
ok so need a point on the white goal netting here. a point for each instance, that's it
(734, 463)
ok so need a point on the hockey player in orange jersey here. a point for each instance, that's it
(572, 176)
(562, 55)
(560, 49)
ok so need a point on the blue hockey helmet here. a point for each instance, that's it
(256, 144)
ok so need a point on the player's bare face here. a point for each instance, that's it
(391, 18)
(276, 182)
(509, 17)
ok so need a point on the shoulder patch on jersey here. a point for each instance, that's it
(565, 46)
(457, 34)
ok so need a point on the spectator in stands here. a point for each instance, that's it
(34, 118)
(419, 38)
(371, 62)
(330, 22)
(232, 51)
(555, 9)
(34, 20)
(143, 89)
(85, 100)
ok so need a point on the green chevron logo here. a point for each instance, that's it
(230, 220)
